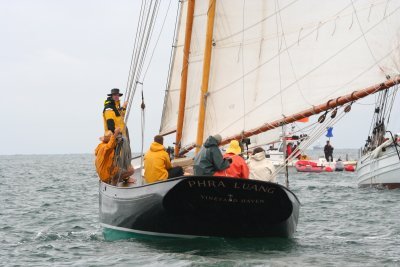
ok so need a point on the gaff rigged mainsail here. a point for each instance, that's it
(272, 59)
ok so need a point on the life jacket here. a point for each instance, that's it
(237, 169)
(113, 116)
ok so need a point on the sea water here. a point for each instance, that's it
(49, 217)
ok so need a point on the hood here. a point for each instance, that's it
(259, 156)
(155, 147)
(211, 141)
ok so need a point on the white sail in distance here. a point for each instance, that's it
(272, 59)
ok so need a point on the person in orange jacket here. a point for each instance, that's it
(105, 167)
(157, 164)
(238, 168)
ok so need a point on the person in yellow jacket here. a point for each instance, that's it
(113, 113)
(104, 162)
(157, 164)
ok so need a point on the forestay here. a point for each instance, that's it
(273, 58)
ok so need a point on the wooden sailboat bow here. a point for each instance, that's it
(206, 73)
(184, 77)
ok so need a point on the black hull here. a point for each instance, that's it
(201, 207)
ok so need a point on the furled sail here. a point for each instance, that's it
(272, 59)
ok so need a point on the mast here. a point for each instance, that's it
(285, 156)
(184, 77)
(311, 111)
(206, 73)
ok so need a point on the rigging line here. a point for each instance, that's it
(150, 25)
(140, 51)
(257, 23)
(136, 48)
(273, 96)
(144, 51)
(376, 96)
(313, 69)
(243, 93)
(375, 115)
(143, 125)
(158, 39)
(365, 104)
(391, 99)
(384, 106)
(171, 57)
(362, 73)
(139, 46)
(384, 101)
(143, 44)
(273, 14)
(290, 58)
(365, 38)
(318, 132)
(279, 57)
(133, 49)
(305, 129)
(311, 25)
(392, 104)
(389, 102)
(150, 37)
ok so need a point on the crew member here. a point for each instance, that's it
(113, 113)
(238, 168)
(105, 167)
(157, 164)
(210, 159)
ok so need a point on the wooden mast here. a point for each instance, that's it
(333, 103)
(206, 73)
(184, 77)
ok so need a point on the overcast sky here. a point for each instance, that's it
(59, 59)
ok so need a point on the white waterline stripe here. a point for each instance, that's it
(149, 233)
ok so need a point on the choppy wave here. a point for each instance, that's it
(49, 217)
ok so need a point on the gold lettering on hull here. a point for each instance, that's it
(236, 185)
(231, 199)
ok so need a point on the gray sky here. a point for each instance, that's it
(59, 59)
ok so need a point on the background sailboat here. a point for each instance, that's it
(379, 165)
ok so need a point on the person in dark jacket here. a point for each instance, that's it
(210, 159)
(328, 150)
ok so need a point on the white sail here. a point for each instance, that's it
(171, 101)
(170, 114)
(275, 58)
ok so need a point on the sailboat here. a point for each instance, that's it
(379, 165)
(240, 68)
